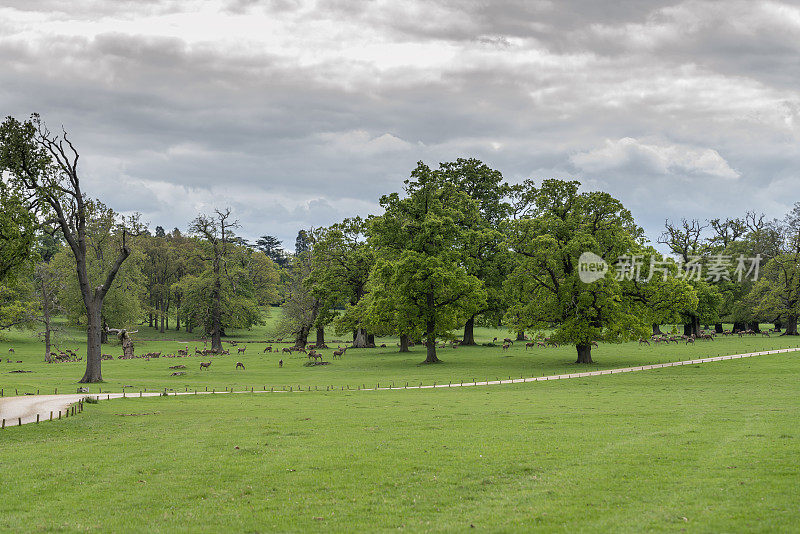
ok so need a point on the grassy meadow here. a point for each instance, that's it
(705, 448)
(359, 367)
(701, 448)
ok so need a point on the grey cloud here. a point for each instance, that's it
(532, 87)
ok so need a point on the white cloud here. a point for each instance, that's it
(628, 154)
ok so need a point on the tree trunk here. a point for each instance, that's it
(738, 327)
(777, 324)
(718, 328)
(404, 343)
(657, 330)
(320, 337)
(161, 313)
(166, 315)
(430, 335)
(216, 313)
(584, 353)
(177, 316)
(692, 328)
(791, 326)
(301, 339)
(47, 330)
(469, 332)
(93, 348)
(150, 319)
(755, 327)
(370, 339)
(521, 336)
(360, 341)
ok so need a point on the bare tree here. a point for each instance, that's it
(684, 240)
(216, 230)
(46, 165)
(48, 284)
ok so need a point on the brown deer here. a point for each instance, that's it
(205, 365)
(268, 349)
(242, 350)
(240, 364)
(505, 346)
(529, 345)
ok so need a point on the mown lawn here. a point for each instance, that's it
(706, 448)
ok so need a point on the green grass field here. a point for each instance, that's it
(705, 448)
(359, 367)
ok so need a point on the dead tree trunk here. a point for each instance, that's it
(94, 333)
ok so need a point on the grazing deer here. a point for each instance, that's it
(242, 350)
(527, 345)
(764, 334)
(643, 341)
(287, 349)
(11, 349)
(508, 340)
(316, 356)
(205, 365)
(240, 364)
(505, 346)
(690, 340)
(268, 349)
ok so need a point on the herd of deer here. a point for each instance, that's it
(703, 336)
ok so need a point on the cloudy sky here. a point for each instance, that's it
(298, 113)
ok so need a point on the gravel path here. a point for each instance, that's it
(24, 409)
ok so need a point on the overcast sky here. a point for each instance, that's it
(298, 114)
